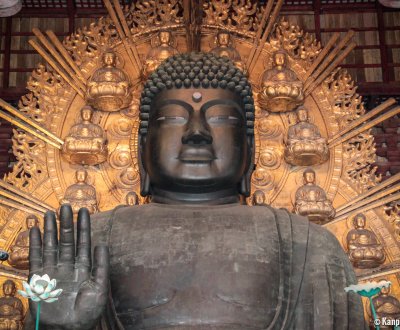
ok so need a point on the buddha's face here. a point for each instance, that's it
(196, 141)
(280, 59)
(131, 199)
(109, 58)
(86, 114)
(259, 198)
(8, 288)
(223, 39)
(31, 222)
(359, 221)
(309, 177)
(385, 290)
(81, 176)
(165, 37)
(302, 115)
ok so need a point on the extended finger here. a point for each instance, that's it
(101, 266)
(67, 241)
(35, 250)
(50, 241)
(83, 246)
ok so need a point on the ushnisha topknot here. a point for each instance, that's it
(197, 70)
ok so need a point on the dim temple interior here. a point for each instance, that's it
(231, 164)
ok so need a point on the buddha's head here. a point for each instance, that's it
(359, 221)
(9, 288)
(165, 37)
(81, 175)
(223, 39)
(31, 221)
(309, 176)
(109, 58)
(280, 59)
(196, 131)
(302, 114)
(258, 197)
(131, 198)
(87, 113)
(385, 291)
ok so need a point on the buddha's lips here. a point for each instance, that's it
(200, 154)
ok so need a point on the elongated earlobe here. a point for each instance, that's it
(145, 185)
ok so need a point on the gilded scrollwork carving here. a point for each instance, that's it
(120, 157)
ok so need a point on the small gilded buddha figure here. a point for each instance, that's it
(258, 198)
(109, 89)
(311, 200)
(224, 48)
(305, 146)
(386, 306)
(131, 199)
(163, 48)
(11, 308)
(19, 255)
(86, 143)
(81, 194)
(364, 249)
(281, 91)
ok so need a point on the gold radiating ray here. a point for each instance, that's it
(18, 206)
(124, 33)
(316, 70)
(364, 127)
(266, 33)
(27, 124)
(56, 67)
(266, 13)
(373, 190)
(18, 192)
(373, 203)
(15, 198)
(59, 46)
(381, 107)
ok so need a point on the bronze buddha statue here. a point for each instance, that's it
(195, 257)
(81, 194)
(163, 48)
(224, 48)
(19, 254)
(86, 143)
(109, 89)
(258, 198)
(364, 249)
(305, 146)
(311, 200)
(386, 306)
(131, 198)
(11, 308)
(281, 90)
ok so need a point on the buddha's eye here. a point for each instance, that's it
(172, 114)
(222, 119)
(172, 119)
(222, 114)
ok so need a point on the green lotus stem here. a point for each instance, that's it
(377, 327)
(37, 316)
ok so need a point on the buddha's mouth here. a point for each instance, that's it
(200, 154)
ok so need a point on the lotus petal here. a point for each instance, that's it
(38, 288)
(46, 278)
(44, 295)
(42, 283)
(23, 294)
(28, 289)
(33, 280)
(50, 300)
(34, 298)
(55, 293)
(50, 286)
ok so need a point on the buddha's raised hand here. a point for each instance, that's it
(85, 288)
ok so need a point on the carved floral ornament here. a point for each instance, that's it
(329, 94)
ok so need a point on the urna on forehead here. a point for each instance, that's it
(197, 70)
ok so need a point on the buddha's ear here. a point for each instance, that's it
(144, 177)
(245, 183)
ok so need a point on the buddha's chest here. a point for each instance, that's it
(213, 268)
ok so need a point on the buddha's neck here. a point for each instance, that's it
(227, 196)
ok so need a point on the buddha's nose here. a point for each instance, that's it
(197, 133)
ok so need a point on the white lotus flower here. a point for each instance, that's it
(41, 288)
(369, 288)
